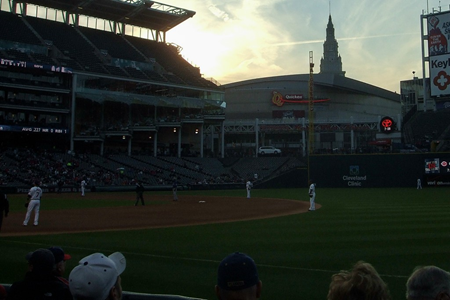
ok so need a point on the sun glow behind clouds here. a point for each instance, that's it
(227, 43)
(200, 49)
(234, 40)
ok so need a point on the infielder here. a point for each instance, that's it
(33, 203)
(248, 187)
(83, 186)
(174, 190)
(139, 193)
(312, 196)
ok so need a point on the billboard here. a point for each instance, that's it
(438, 39)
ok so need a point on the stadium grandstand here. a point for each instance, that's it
(83, 84)
(91, 89)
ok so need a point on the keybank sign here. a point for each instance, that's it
(438, 63)
(354, 179)
(440, 75)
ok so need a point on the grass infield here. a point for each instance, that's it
(393, 229)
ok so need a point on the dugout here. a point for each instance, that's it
(380, 170)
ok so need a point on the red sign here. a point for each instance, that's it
(387, 125)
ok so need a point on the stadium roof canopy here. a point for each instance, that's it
(143, 13)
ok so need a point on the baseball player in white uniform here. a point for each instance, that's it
(248, 187)
(83, 186)
(419, 184)
(33, 203)
(312, 196)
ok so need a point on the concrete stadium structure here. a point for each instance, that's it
(274, 110)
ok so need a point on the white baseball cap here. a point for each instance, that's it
(95, 275)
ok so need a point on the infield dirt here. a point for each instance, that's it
(159, 211)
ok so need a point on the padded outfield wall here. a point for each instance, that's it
(380, 170)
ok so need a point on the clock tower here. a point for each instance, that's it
(331, 62)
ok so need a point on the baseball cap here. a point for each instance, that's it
(95, 275)
(42, 260)
(236, 272)
(59, 254)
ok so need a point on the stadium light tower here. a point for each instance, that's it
(311, 105)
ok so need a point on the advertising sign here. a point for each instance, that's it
(438, 40)
(440, 75)
(438, 34)
(387, 125)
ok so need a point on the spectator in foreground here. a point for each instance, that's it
(2, 292)
(60, 263)
(97, 277)
(237, 278)
(39, 281)
(361, 282)
(428, 282)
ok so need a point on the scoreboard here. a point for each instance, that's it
(33, 129)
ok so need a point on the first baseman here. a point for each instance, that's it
(33, 203)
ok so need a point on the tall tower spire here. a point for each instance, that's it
(331, 61)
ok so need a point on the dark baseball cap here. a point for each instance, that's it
(236, 272)
(59, 254)
(42, 261)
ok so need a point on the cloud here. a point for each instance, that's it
(233, 40)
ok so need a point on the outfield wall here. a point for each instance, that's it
(296, 178)
(380, 170)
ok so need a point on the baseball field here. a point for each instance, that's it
(175, 247)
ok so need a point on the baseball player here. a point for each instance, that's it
(139, 193)
(83, 186)
(4, 207)
(248, 187)
(419, 184)
(174, 189)
(33, 203)
(312, 196)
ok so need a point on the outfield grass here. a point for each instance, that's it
(393, 229)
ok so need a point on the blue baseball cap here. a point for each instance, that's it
(59, 254)
(42, 261)
(236, 272)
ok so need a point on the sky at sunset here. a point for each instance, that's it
(235, 40)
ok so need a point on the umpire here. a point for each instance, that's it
(4, 207)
